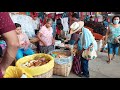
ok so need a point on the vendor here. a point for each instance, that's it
(36, 23)
(59, 32)
(45, 35)
(24, 43)
(74, 36)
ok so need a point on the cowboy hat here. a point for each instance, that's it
(76, 26)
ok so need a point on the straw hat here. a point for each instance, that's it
(76, 26)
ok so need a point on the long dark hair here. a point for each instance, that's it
(17, 25)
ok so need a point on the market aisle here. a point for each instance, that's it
(111, 70)
(100, 69)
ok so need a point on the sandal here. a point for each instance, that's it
(108, 61)
(113, 58)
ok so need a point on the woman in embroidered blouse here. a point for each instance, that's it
(45, 35)
(111, 38)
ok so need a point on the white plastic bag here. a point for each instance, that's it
(89, 54)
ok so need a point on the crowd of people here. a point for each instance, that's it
(80, 36)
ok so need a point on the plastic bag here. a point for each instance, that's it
(34, 71)
(15, 72)
(62, 60)
(89, 54)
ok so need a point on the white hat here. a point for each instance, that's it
(76, 26)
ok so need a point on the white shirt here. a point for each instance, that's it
(36, 23)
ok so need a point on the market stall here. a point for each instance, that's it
(60, 60)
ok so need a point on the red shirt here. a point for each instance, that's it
(33, 14)
(58, 31)
(6, 23)
(58, 16)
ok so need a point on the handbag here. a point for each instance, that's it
(89, 54)
(118, 43)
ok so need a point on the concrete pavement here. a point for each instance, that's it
(99, 68)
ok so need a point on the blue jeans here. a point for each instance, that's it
(22, 52)
(113, 48)
(84, 66)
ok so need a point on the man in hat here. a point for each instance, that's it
(85, 40)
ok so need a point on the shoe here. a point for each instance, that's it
(113, 58)
(84, 76)
(80, 75)
(108, 61)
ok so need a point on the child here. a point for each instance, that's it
(24, 43)
(59, 29)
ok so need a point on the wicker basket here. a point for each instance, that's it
(48, 74)
(44, 71)
(62, 66)
(62, 69)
